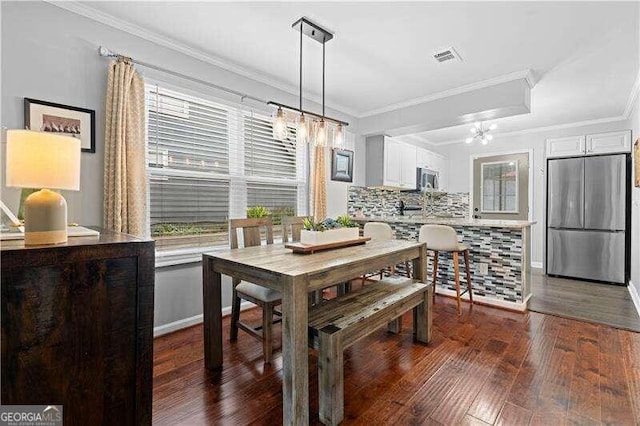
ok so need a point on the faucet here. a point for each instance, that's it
(427, 195)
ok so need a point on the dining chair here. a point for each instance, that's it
(292, 225)
(264, 297)
(380, 231)
(443, 238)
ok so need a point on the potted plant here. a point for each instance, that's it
(329, 231)
(257, 212)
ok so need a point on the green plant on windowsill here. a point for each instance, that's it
(176, 229)
(257, 212)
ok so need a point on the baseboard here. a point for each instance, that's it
(634, 296)
(196, 319)
(489, 301)
(536, 265)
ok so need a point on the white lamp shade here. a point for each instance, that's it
(42, 160)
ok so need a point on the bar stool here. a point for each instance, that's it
(443, 238)
(380, 231)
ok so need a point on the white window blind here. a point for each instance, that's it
(208, 162)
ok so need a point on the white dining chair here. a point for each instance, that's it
(380, 231)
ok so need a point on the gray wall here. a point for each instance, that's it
(634, 124)
(51, 54)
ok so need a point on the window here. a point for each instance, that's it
(208, 162)
(499, 187)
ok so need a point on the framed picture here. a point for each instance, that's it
(342, 165)
(63, 119)
(636, 161)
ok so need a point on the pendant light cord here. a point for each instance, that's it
(300, 66)
(323, 63)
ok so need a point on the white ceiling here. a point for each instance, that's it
(583, 54)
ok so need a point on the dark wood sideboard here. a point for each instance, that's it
(77, 327)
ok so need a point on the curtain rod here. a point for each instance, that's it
(104, 52)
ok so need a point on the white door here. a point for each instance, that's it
(501, 187)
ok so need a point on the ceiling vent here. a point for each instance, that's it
(445, 55)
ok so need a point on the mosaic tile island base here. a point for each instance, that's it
(504, 247)
(500, 250)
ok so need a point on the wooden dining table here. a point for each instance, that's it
(295, 275)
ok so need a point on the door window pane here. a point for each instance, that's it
(499, 189)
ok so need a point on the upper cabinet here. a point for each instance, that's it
(605, 143)
(565, 147)
(602, 143)
(408, 166)
(390, 163)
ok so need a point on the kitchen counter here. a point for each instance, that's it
(451, 221)
(500, 256)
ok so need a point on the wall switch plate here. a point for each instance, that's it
(483, 269)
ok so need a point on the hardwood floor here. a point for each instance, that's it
(583, 300)
(486, 367)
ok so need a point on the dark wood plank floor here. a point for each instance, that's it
(601, 303)
(486, 367)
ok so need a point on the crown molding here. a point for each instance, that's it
(89, 12)
(635, 91)
(543, 129)
(518, 75)
(414, 139)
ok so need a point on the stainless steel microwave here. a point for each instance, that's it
(427, 179)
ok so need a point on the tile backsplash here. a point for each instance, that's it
(378, 202)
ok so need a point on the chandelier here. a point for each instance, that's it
(481, 133)
(310, 127)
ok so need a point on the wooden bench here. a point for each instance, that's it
(338, 323)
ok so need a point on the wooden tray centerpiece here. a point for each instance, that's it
(327, 234)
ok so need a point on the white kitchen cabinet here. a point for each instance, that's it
(601, 143)
(565, 147)
(608, 143)
(408, 166)
(422, 157)
(390, 163)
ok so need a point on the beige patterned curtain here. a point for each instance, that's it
(319, 189)
(125, 186)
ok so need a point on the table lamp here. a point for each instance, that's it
(48, 161)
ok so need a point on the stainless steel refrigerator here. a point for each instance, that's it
(587, 217)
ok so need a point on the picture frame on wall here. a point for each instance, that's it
(342, 165)
(636, 162)
(65, 120)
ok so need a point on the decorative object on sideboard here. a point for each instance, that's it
(342, 165)
(636, 160)
(323, 129)
(43, 160)
(481, 133)
(66, 120)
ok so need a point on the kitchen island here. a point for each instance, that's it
(500, 256)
